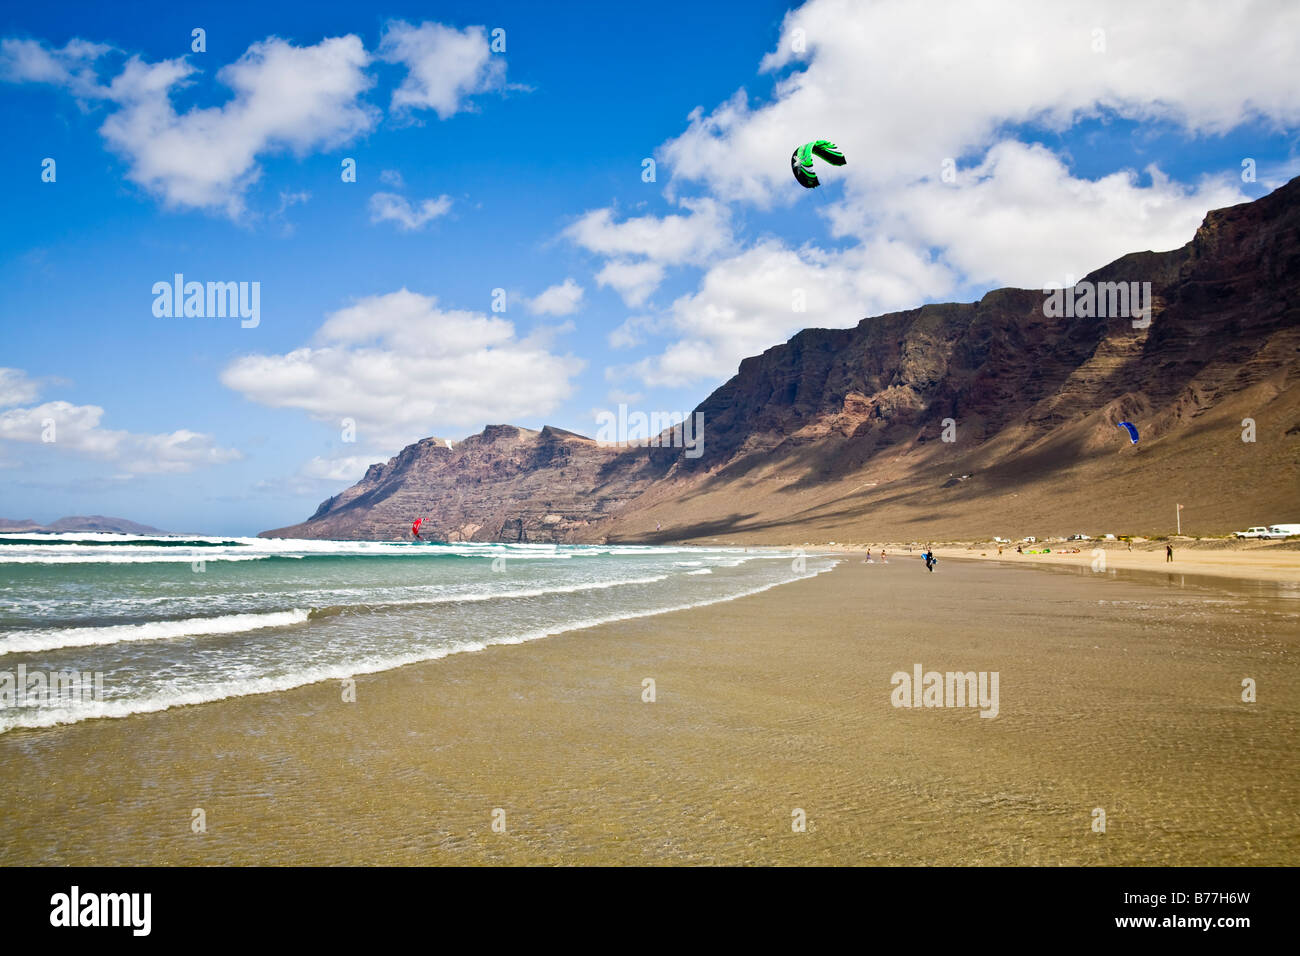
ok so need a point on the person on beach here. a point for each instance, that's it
(882, 556)
(1169, 553)
(929, 560)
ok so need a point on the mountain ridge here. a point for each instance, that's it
(75, 523)
(839, 433)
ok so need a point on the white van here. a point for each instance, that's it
(1259, 532)
(1285, 530)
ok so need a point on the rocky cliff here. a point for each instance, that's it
(505, 484)
(949, 420)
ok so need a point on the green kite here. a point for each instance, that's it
(801, 160)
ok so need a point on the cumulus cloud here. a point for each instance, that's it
(407, 215)
(16, 387)
(63, 426)
(967, 85)
(760, 297)
(285, 99)
(633, 281)
(1020, 219)
(561, 299)
(638, 250)
(445, 66)
(402, 368)
(672, 239)
(71, 67)
(958, 74)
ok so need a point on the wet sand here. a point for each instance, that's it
(1261, 564)
(1114, 693)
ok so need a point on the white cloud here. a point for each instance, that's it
(634, 281)
(1020, 219)
(639, 249)
(409, 217)
(77, 428)
(16, 388)
(445, 66)
(392, 178)
(634, 330)
(72, 67)
(299, 99)
(672, 239)
(285, 98)
(402, 368)
(561, 299)
(751, 301)
(957, 74)
(349, 468)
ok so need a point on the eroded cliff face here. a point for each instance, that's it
(505, 484)
(842, 431)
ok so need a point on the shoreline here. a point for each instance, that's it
(1242, 562)
(766, 704)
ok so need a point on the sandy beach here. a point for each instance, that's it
(1268, 561)
(1114, 693)
(1262, 562)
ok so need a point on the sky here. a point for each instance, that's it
(453, 216)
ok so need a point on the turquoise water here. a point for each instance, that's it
(165, 622)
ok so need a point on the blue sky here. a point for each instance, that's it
(1070, 147)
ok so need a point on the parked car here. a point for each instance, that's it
(1108, 537)
(1079, 537)
(1029, 540)
(997, 540)
(1260, 531)
(1285, 530)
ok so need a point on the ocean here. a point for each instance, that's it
(147, 623)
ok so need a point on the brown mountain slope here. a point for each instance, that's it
(505, 484)
(838, 434)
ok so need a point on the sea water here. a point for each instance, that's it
(151, 622)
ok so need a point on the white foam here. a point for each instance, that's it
(55, 639)
(98, 548)
(533, 592)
